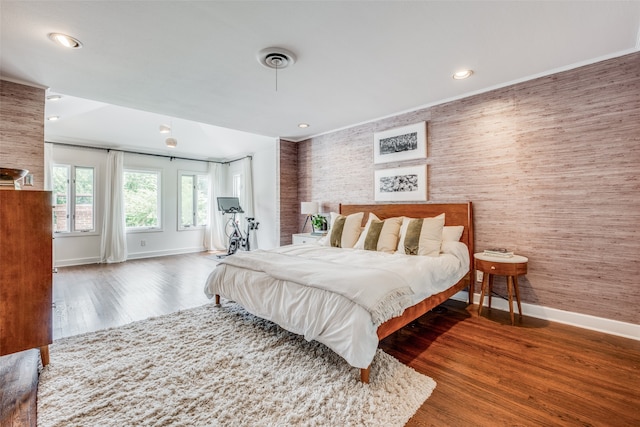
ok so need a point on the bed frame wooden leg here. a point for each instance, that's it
(364, 375)
(217, 300)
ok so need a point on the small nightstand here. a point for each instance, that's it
(301, 238)
(511, 267)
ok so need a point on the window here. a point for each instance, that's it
(193, 200)
(142, 199)
(73, 199)
(237, 185)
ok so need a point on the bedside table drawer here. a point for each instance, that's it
(302, 238)
(501, 268)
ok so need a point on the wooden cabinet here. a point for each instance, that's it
(25, 271)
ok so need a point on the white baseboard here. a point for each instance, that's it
(586, 321)
(76, 261)
(137, 255)
(153, 254)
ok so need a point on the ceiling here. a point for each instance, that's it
(194, 64)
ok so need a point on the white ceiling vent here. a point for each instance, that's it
(276, 57)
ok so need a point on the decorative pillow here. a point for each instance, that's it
(373, 235)
(421, 236)
(380, 235)
(360, 243)
(344, 230)
(452, 233)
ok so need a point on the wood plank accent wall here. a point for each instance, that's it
(289, 200)
(22, 130)
(551, 165)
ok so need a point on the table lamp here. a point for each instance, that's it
(308, 209)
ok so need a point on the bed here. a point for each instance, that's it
(350, 299)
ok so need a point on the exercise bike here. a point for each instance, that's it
(237, 240)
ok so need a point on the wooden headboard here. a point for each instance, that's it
(454, 214)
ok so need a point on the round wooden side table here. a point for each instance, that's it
(511, 267)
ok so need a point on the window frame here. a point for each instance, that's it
(145, 229)
(71, 201)
(196, 176)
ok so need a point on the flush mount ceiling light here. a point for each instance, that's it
(54, 97)
(53, 118)
(170, 142)
(65, 40)
(276, 58)
(303, 125)
(462, 74)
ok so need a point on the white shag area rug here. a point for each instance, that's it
(218, 366)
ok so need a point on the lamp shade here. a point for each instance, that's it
(309, 208)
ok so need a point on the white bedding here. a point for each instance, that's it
(335, 317)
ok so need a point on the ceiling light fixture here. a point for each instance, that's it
(53, 118)
(65, 40)
(462, 74)
(303, 125)
(276, 58)
(54, 97)
(171, 142)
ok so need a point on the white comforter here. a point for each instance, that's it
(342, 297)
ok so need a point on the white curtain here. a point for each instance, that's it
(214, 235)
(246, 199)
(113, 247)
(48, 155)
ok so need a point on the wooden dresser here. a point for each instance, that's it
(25, 271)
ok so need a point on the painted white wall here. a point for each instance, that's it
(265, 177)
(85, 248)
(265, 196)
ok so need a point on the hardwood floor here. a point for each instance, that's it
(536, 373)
(488, 372)
(18, 388)
(98, 296)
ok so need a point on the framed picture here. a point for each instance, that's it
(403, 143)
(401, 184)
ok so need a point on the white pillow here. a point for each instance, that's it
(344, 231)
(452, 233)
(428, 239)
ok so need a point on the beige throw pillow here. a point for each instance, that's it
(345, 230)
(421, 236)
(379, 235)
(360, 243)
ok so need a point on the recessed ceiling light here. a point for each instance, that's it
(462, 74)
(65, 40)
(165, 128)
(54, 97)
(171, 142)
(53, 118)
(303, 125)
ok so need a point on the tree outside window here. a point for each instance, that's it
(142, 199)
